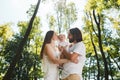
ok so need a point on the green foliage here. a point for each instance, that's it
(109, 26)
(101, 5)
(29, 65)
(52, 22)
(66, 14)
(31, 10)
(5, 33)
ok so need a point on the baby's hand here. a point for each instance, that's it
(60, 48)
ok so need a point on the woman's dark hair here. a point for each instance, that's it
(47, 39)
(76, 33)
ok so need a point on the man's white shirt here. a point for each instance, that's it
(73, 68)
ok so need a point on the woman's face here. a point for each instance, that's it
(55, 36)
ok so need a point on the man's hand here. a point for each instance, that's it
(75, 61)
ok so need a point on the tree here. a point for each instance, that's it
(6, 34)
(97, 18)
(66, 14)
(16, 58)
(24, 69)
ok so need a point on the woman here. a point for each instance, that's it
(49, 54)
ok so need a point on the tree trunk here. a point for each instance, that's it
(96, 55)
(94, 71)
(34, 68)
(94, 47)
(90, 69)
(100, 44)
(58, 22)
(9, 73)
(60, 27)
(110, 67)
(114, 61)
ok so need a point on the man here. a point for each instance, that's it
(72, 70)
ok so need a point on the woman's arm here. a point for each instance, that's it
(49, 52)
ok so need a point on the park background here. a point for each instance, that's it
(23, 24)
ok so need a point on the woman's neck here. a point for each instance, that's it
(52, 42)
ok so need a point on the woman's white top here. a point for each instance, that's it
(50, 69)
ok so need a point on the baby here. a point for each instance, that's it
(62, 40)
(62, 43)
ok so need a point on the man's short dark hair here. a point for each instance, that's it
(76, 33)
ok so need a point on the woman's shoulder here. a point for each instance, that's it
(47, 45)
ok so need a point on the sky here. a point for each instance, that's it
(14, 11)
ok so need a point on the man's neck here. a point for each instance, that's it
(74, 42)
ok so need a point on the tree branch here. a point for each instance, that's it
(94, 16)
(92, 24)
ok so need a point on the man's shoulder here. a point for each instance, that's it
(80, 43)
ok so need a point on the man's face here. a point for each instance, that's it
(70, 37)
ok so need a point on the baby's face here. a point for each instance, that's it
(62, 37)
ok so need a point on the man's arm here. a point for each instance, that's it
(73, 57)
